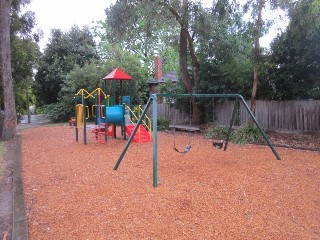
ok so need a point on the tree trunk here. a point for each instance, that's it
(10, 119)
(254, 91)
(257, 59)
(185, 42)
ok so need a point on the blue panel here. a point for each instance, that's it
(114, 114)
(126, 100)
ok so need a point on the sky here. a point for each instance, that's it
(63, 14)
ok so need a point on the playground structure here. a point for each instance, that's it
(153, 99)
(108, 113)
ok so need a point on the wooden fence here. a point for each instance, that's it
(285, 116)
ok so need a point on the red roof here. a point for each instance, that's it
(117, 74)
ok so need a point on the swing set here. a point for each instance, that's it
(153, 99)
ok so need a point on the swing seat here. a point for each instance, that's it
(218, 145)
(187, 149)
(185, 128)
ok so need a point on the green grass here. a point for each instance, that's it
(2, 166)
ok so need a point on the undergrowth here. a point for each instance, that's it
(162, 124)
(243, 135)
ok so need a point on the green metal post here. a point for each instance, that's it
(130, 92)
(113, 86)
(123, 124)
(77, 133)
(260, 129)
(155, 141)
(84, 121)
(132, 135)
(105, 120)
(114, 130)
(231, 123)
(96, 109)
(121, 88)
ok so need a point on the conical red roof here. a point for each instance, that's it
(117, 74)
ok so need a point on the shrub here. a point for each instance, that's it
(216, 132)
(246, 134)
(163, 124)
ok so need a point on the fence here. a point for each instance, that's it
(285, 116)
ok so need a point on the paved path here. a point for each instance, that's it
(13, 219)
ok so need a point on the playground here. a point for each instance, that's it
(72, 192)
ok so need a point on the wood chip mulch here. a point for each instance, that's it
(72, 192)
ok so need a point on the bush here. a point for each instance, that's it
(243, 135)
(217, 132)
(163, 124)
(57, 113)
(246, 134)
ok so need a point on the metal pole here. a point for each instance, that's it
(28, 106)
(155, 141)
(132, 135)
(84, 120)
(231, 124)
(260, 129)
(75, 103)
(123, 124)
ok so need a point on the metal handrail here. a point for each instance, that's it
(148, 126)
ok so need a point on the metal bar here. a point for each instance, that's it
(132, 135)
(231, 123)
(75, 103)
(84, 121)
(123, 124)
(198, 95)
(155, 141)
(260, 129)
(105, 119)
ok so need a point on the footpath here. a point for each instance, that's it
(13, 218)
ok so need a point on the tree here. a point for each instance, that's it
(90, 77)
(224, 50)
(143, 30)
(186, 48)
(257, 56)
(295, 54)
(64, 51)
(24, 53)
(10, 118)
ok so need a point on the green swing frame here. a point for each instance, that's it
(153, 99)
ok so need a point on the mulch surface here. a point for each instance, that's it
(72, 191)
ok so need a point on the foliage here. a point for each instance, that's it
(64, 51)
(246, 134)
(90, 77)
(162, 124)
(216, 132)
(24, 52)
(243, 135)
(295, 59)
(144, 29)
(225, 51)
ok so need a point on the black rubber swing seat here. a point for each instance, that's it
(218, 145)
(187, 149)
